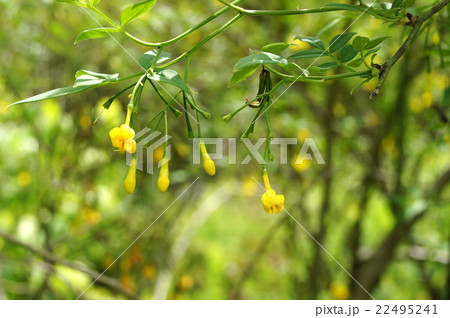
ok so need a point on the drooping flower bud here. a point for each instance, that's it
(208, 164)
(163, 179)
(130, 180)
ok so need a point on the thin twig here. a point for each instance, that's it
(51, 258)
(409, 40)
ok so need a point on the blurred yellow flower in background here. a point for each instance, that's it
(339, 291)
(436, 39)
(339, 110)
(300, 163)
(186, 282)
(303, 134)
(148, 272)
(24, 178)
(249, 187)
(371, 118)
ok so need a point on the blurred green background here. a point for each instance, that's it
(380, 206)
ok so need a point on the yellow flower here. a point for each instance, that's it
(339, 291)
(208, 164)
(303, 134)
(272, 202)
(163, 179)
(435, 39)
(300, 163)
(122, 138)
(130, 180)
(24, 178)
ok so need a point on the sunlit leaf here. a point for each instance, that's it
(259, 59)
(147, 59)
(311, 40)
(170, 77)
(94, 34)
(242, 74)
(134, 11)
(275, 47)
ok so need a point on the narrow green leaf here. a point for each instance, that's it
(242, 74)
(52, 94)
(170, 77)
(308, 54)
(339, 41)
(94, 34)
(259, 59)
(373, 43)
(88, 78)
(275, 47)
(359, 42)
(147, 59)
(348, 52)
(313, 41)
(110, 100)
(134, 11)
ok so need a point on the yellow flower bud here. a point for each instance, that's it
(122, 138)
(208, 164)
(130, 180)
(435, 39)
(163, 179)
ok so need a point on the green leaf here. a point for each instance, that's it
(348, 52)
(397, 4)
(94, 34)
(339, 41)
(313, 41)
(372, 51)
(355, 63)
(308, 54)
(275, 47)
(52, 94)
(359, 42)
(134, 11)
(147, 59)
(171, 77)
(94, 2)
(110, 100)
(88, 78)
(328, 65)
(373, 43)
(242, 74)
(259, 59)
